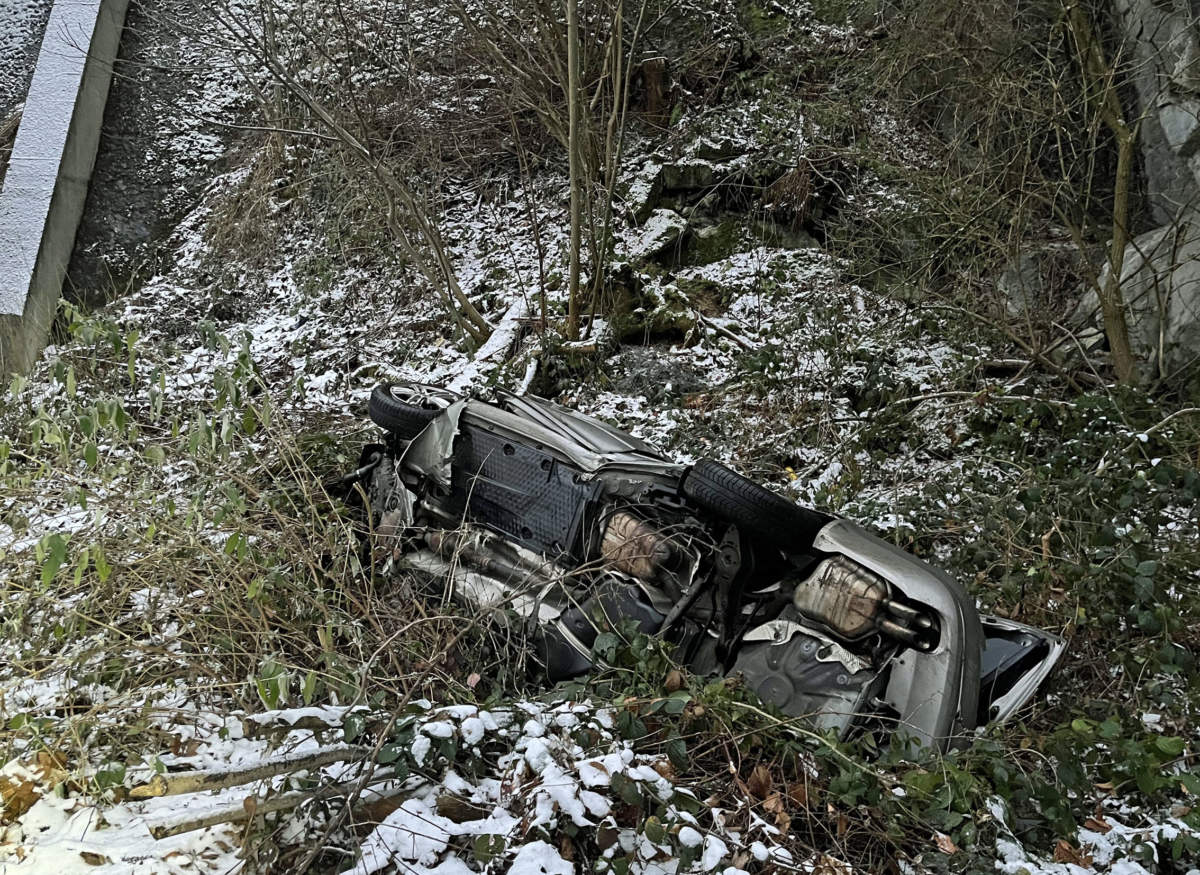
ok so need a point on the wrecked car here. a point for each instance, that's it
(521, 504)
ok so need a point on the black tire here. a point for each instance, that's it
(755, 510)
(405, 410)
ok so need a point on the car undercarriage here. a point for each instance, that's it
(575, 527)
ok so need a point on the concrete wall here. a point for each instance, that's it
(46, 183)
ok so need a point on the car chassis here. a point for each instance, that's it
(575, 526)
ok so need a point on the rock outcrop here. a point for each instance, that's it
(1160, 278)
(1163, 39)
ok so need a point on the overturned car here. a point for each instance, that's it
(575, 525)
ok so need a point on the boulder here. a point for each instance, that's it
(643, 191)
(660, 232)
(690, 174)
(659, 310)
(1160, 280)
(714, 149)
(1035, 282)
(1020, 286)
(1180, 122)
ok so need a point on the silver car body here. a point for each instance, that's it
(935, 692)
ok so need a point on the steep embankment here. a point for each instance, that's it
(183, 593)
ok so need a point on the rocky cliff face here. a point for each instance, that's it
(1164, 39)
(1161, 274)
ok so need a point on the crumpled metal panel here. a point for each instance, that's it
(432, 451)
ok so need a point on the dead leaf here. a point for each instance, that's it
(827, 865)
(184, 747)
(1065, 852)
(1097, 824)
(774, 805)
(473, 679)
(94, 859)
(606, 837)
(843, 825)
(798, 793)
(460, 810)
(759, 784)
(674, 681)
(250, 805)
(18, 795)
(945, 844)
(50, 761)
(566, 848)
(665, 770)
(370, 814)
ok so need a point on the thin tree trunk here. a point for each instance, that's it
(1097, 71)
(576, 170)
(1112, 302)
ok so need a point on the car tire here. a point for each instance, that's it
(755, 510)
(404, 409)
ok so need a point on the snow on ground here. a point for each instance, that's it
(68, 831)
(782, 377)
(527, 772)
(22, 23)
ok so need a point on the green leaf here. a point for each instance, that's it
(606, 645)
(103, 569)
(56, 554)
(110, 775)
(272, 684)
(654, 830)
(488, 847)
(352, 727)
(627, 789)
(1170, 745)
(1110, 729)
(677, 753)
(389, 753)
(81, 565)
(677, 701)
(1147, 780)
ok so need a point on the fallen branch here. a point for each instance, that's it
(725, 332)
(1144, 436)
(252, 806)
(211, 779)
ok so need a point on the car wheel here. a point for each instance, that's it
(756, 511)
(405, 409)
